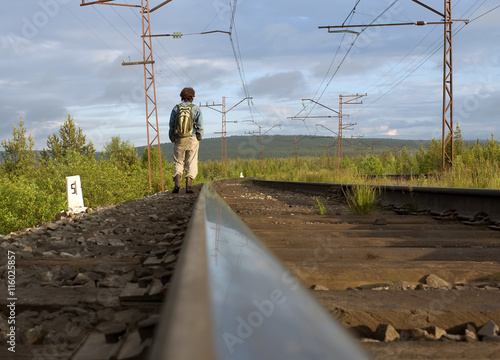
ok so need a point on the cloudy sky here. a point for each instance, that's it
(58, 58)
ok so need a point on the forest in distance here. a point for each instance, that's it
(284, 146)
(33, 189)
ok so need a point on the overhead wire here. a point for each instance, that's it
(487, 12)
(347, 52)
(426, 57)
(238, 58)
(352, 45)
(156, 55)
(349, 17)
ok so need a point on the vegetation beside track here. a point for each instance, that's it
(33, 189)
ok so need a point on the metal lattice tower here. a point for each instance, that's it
(343, 126)
(447, 134)
(223, 111)
(153, 132)
(447, 113)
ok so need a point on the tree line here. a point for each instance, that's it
(32, 183)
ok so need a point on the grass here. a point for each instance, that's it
(321, 207)
(362, 199)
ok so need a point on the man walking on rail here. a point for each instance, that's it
(186, 132)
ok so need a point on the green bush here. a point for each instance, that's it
(362, 199)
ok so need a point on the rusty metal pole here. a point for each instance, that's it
(150, 96)
(149, 84)
(447, 135)
(296, 152)
(224, 144)
(339, 141)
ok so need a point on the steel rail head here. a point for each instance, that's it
(232, 299)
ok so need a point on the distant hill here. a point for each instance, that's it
(283, 146)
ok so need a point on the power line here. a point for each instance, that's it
(427, 57)
(349, 17)
(487, 12)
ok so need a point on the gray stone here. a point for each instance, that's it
(436, 332)
(52, 226)
(4, 327)
(129, 317)
(380, 288)
(115, 242)
(470, 336)
(106, 314)
(156, 288)
(66, 255)
(112, 281)
(319, 287)
(368, 340)
(471, 328)
(46, 276)
(145, 281)
(400, 285)
(488, 329)
(417, 334)
(81, 279)
(101, 239)
(81, 240)
(103, 268)
(491, 288)
(68, 274)
(495, 339)
(34, 335)
(452, 337)
(386, 332)
(112, 331)
(436, 282)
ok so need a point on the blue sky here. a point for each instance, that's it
(59, 58)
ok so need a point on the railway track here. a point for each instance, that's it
(374, 270)
(92, 287)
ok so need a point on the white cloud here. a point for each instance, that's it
(72, 63)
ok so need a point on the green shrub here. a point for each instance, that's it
(362, 199)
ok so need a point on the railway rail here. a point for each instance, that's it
(375, 270)
(258, 273)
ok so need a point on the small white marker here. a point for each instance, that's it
(74, 194)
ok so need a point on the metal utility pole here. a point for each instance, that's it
(153, 131)
(447, 113)
(327, 149)
(354, 137)
(223, 111)
(338, 115)
(261, 150)
(295, 142)
(351, 100)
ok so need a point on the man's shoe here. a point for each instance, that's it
(177, 184)
(189, 182)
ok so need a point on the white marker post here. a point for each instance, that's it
(74, 194)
